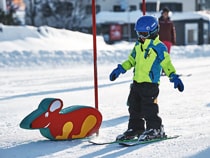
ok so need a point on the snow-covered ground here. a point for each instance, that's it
(45, 62)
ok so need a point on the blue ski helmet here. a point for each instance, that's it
(147, 27)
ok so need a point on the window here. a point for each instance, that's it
(150, 6)
(205, 33)
(191, 33)
(132, 7)
(117, 8)
(89, 9)
(174, 7)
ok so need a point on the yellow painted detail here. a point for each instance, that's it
(67, 128)
(87, 125)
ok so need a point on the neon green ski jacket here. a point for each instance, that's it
(148, 59)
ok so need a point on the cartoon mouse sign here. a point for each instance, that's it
(55, 123)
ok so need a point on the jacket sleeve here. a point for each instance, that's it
(130, 62)
(167, 65)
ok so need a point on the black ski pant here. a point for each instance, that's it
(143, 107)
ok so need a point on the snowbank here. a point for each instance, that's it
(27, 46)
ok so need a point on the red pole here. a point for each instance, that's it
(143, 7)
(95, 53)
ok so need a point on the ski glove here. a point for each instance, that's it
(116, 72)
(177, 82)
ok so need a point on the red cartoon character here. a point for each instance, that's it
(55, 123)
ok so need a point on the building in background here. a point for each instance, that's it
(151, 5)
(116, 18)
(192, 26)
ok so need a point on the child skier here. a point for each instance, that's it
(148, 56)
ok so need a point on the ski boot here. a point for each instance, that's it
(152, 134)
(129, 134)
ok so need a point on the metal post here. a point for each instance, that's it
(143, 7)
(95, 53)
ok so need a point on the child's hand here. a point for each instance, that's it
(116, 72)
(177, 82)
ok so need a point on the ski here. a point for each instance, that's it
(147, 141)
(132, 142)
(102, 142)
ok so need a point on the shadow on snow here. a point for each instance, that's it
(115, 121)
(62, 90)
(202, 154)
(38, 148)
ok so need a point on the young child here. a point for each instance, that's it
(148, 56)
